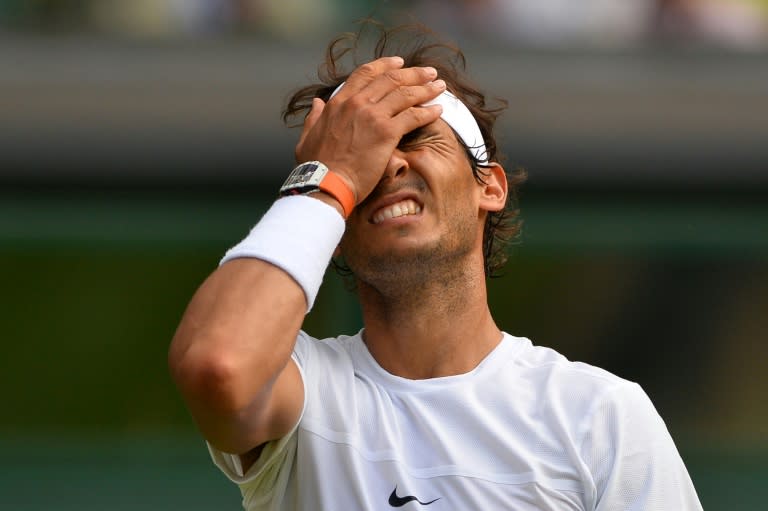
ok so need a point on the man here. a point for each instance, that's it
(430, 404)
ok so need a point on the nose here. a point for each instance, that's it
(397, 164)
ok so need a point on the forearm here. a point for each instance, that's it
(231, 354)
(237, 333)
(235, 339)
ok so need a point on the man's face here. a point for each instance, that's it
(424, 213)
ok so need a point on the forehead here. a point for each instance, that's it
(440, 125)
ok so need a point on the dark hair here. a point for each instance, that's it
(419, 46)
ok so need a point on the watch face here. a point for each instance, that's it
(305, 178)
(304, 172)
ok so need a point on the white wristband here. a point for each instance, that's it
(299, 235)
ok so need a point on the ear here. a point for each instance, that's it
(493, 193)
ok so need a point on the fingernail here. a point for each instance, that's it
(431, 71)
(398, 60)
(438, 84)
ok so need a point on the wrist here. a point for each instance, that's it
(299, 235)
(328, 199)
(314, 176)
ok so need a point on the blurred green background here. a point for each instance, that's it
(139, 140)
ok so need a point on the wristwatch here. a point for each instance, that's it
(314, 176)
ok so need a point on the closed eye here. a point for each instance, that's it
(415, 137)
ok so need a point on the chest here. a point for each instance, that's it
(479, 447)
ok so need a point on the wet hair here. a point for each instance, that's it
(420, 46)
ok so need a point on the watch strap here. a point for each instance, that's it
(337, 188)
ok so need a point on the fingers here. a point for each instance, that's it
(318, 105)
(390, 81)
(404, 106)
(375, 80)
(403, 98)
(416, 117)
(392, 95)
(366, 73)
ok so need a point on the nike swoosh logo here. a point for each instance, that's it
(396, 501)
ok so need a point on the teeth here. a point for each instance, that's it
(402, 208)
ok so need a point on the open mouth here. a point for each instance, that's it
(396, 210)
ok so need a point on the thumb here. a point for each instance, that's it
(318, 105)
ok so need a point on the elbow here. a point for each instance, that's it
(210, 379)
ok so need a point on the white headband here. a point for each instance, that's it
(457, 116)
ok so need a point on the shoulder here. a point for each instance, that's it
(551, 370)
(578, 395)
(329, 355)
(603, 412)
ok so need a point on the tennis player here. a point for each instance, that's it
(430, 405)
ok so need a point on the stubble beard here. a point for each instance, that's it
(402, 277)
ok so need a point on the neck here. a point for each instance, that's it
(430, 325)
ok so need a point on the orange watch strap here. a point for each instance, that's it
(335, 186)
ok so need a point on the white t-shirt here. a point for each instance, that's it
(525, 430)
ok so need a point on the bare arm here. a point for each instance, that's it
(232, 348)
(230, 356)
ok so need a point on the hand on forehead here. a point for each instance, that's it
(454, 112)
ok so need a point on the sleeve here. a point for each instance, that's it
(633, 461)
(266, 482)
